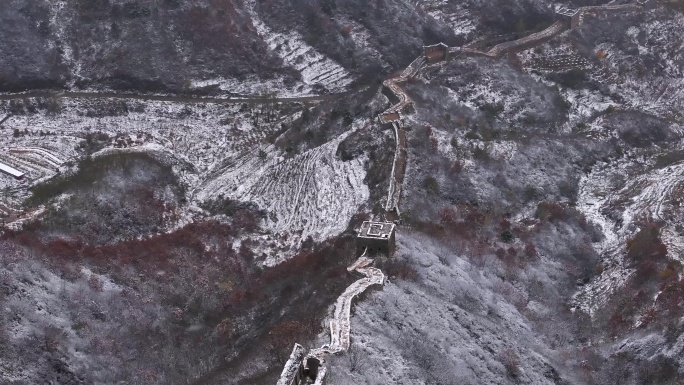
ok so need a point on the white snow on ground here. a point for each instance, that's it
(655, 192)
(487, 90)
(362, 36)
(551, 49)
(592, 199)
(202, 135)
(661, 94)
(340, 325)
(254, 86)
(314, 192)
(392, 344)
(44, 309)
(44, 301)
(584, 103)
(647, 196)
(314, 67)
(214, 149)
(39, 158)
(458, 19)
(59, 29)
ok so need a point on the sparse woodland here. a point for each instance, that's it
(193, 243)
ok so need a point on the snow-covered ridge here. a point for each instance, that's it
(456, 19)
(339, 326)
(314, 67)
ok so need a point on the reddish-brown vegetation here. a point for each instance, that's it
(551, 211)
(509, 359)
(401, 269)
(197, 277)
(656, 276)
(477, 233)
(646, 245)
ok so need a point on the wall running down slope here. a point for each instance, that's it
(298, 367)
(297, 370)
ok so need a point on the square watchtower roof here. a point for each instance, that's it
(565, 11)
(376, 230)
(436, 46)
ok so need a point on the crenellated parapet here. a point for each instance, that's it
(401, 103)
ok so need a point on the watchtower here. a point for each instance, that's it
(571, 16)
(376, 237)
(436, 53)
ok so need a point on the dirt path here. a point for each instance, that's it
(175, 99)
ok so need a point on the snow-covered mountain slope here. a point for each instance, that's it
(529, 182)
(620, 198)
(315, 69)
(457, 323)
(452, 14)
(313, 194)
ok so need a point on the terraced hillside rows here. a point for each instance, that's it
(313, 192)
(316, 69)
(36, 163)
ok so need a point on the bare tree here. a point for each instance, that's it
(509, 359)
(358, 358)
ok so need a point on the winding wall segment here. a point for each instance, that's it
(398, 170)
(340, 325)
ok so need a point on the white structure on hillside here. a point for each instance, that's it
(376, 237)
(7, 169)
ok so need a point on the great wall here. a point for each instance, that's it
(312, 365)
(302, 368)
